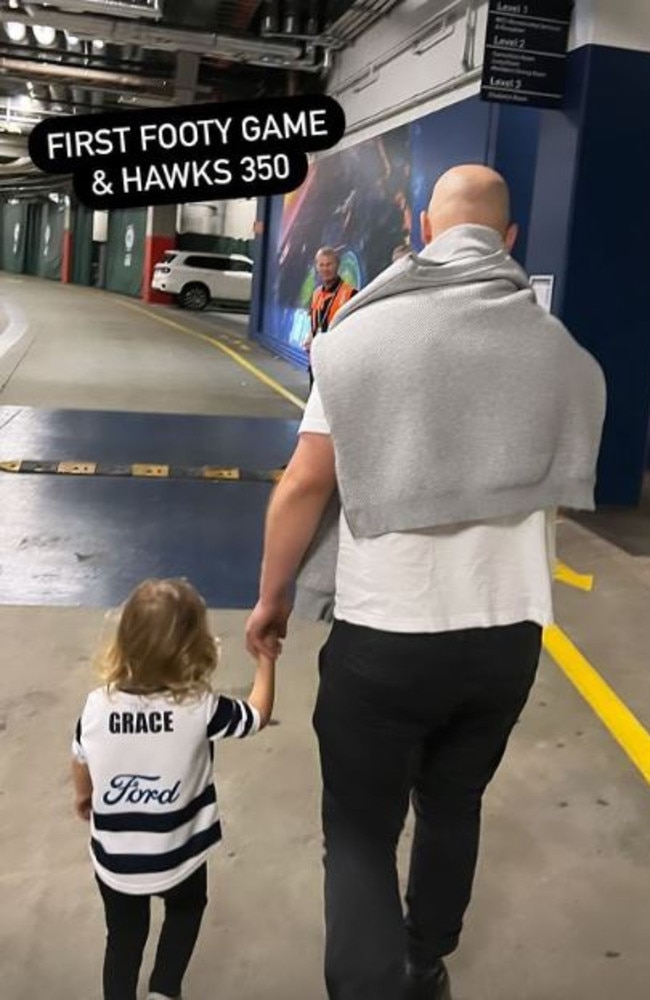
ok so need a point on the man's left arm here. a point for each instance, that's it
(294, 514)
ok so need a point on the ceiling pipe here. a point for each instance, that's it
(150, 8)
(118, 32)
(20, 70)
(14, 145)
(20, 167)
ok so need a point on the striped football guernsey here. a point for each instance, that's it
(154, 805)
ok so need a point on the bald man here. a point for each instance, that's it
(450, 416)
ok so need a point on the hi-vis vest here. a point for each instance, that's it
(325, 303)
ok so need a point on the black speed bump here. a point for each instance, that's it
(140, 470)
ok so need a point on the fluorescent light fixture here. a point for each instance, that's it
(44, 34)
(16, 31)
(23, 102)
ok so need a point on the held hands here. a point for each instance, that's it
(266, 626)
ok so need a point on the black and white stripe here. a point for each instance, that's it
(148, 864)
(231, 718)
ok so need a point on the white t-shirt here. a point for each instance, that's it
(477, 575)
(154, 805)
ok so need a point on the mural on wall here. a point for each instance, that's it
(364, 201)
(357, 201)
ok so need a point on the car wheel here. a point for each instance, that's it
(194, 296)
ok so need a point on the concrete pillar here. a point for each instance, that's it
(160, 236)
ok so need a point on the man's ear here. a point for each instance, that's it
(511, 236)
(425, 227)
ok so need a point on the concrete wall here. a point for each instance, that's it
(218, 218)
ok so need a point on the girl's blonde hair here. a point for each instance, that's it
(163, 643)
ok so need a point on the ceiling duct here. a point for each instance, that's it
(253, 51)
(359, 17)
(112, 8)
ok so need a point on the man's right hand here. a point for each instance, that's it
(266, 626)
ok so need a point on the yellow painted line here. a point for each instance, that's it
(248, 365)
(602, 699)
(582, 581)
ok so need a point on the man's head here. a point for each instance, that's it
(469, 195)
(327, 265)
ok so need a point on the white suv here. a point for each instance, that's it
(197, 278)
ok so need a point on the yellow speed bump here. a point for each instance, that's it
(10, 466)
(153, 471)
(213, 472)
(77, 468)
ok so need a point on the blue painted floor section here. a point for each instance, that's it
(87, 541)
(111, 436)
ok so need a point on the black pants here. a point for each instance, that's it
(127, 922)
(397, 715)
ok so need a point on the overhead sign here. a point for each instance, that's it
(525, 52)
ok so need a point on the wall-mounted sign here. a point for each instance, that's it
(129, 242)
(542, 285)
(525, 52)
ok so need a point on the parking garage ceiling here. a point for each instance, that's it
(89, 56)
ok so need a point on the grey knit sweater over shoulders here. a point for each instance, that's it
(451, 396)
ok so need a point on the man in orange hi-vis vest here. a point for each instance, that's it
(328, 298)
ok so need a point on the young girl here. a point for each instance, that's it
(142, 771)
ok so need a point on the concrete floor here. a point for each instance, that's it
(108, 356)
(562, 901)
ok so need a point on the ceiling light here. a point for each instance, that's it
(71, 39)
(98, 44)
(44, 34)
(16, 31)
(23, 102)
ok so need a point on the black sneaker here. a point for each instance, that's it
(427, 984)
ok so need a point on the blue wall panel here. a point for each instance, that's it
(556, 176)
(607, 295)
(443, 139)
(514, 154)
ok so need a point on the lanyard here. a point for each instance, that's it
(323, 312)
